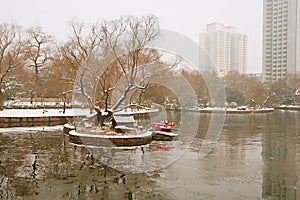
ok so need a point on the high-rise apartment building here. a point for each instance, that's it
(281, 39)
(226, 47)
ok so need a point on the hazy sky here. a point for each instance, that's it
(188, 17)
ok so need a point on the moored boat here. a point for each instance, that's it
(163, 131)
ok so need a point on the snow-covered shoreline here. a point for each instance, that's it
(43, 112)
(10, 130)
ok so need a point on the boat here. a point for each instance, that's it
(121, 132)
(163, 131)
(161, 146)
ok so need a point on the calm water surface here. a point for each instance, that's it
(257, 156)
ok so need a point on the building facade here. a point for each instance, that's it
(227, 48)
(281, 39)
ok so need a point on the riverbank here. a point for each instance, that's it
(38, 117)
(289, 107)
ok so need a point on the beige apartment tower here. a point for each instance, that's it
(281, 39)
(226, 48)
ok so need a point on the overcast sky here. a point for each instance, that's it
(188, 17)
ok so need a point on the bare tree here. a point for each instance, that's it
(293, 81)
(66, 71)
(11, 52)
(199, 85)
(81, 53)
(252, 88)
(38, 54)
(107, 54)
(128, 40)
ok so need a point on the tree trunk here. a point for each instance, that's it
(106, 101)
(35, 86)
(140, 97)
(31, 97)
(64, 107)
(1, 100)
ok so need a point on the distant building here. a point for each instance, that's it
(258, 76)
(281, 39)
(227, 48)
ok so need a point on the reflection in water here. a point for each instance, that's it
(280, 152)
(256, 157)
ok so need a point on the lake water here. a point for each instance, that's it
(256, 156)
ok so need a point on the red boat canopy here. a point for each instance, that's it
(157, 124)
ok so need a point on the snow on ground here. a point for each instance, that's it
(31, 129)
(43, 112)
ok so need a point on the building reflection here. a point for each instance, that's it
(280, 149)
(222, 173)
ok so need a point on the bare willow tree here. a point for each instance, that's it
(153, 69)
(11, 54)
(105, 52)
(81, 54)
(38, 55)
(128, 40)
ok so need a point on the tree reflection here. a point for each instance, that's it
(45, 165)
